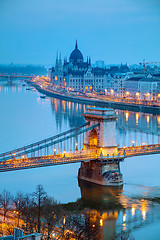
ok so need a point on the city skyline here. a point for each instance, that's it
(33, 31)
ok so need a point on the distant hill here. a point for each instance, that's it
(23, 69)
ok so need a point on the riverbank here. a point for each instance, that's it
(97, 102)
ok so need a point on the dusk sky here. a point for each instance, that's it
(32, 31)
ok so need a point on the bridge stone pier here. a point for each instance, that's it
(103, 140)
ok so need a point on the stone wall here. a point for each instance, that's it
(91, 170)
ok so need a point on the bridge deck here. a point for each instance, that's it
(15, 76)
(50, 160)
(140, 150)
(77, 156)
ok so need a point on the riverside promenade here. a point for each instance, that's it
(109, 103)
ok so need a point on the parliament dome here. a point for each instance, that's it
(76, 55)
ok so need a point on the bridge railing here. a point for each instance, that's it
(63, 158)
(137, 150)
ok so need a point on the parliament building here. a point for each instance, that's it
(77, 74)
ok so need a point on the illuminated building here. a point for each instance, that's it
(143, 85)
(77, 74)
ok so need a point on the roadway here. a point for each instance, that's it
(140, 150)
(100, 101)
(57, 159)
(76, 157)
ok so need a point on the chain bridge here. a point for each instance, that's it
(93, 144)
(10, 77)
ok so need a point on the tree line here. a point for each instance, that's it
(43, 214)
(39, 212)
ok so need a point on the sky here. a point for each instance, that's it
(115, 31)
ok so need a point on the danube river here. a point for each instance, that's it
(135, 208)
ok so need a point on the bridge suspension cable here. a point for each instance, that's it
(46, 143)
(18, 150)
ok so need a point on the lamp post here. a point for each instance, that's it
(124, 150)
(54, 151)
(112, 92)
(18, 212)
(137, 95)
(76, 146)
(127, 95)
(64, 222)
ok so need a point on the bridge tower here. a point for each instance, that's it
(102, 142)
(102, 137)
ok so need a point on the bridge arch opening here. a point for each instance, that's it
(93, 138)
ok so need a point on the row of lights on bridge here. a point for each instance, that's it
(14, 154)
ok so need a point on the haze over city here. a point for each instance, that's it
(114, 31)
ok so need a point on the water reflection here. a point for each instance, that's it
(132, 128)
(118, 211)
(68, 111)
(16, 85)
(142, 122)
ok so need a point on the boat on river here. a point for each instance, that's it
(42, 96)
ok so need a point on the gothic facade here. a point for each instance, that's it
(77, 74)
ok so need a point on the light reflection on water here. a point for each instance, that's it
(26, 118)
(119, 211)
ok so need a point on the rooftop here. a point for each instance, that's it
(138, 79)
(100, 112)
(100, 109)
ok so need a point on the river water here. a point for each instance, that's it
(26, 118)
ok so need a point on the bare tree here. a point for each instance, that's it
(85, 225)
(38, 197)
(5, 202)
(19, 202)
(29, 214)
(52, 213)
